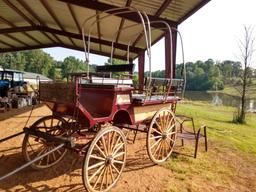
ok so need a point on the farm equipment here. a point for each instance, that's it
(10, 79)
(90, 112)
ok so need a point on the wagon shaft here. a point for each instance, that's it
(31, 162)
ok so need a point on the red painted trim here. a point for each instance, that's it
(141, 63)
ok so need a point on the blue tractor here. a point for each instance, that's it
(10, 79)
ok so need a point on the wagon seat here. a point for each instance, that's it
(159, 90)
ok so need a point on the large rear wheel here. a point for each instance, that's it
(105, 160)
(161, 135)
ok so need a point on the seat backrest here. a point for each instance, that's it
(115, 68)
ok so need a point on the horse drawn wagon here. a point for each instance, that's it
(91, 110)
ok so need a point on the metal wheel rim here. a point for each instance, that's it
(103, 177)
(52, 158)
(161, 135)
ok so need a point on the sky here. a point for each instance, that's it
(212, 32)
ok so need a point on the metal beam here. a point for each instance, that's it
(67, 34)
(11, 37)
(72, 12)
(15, 9)
(31, 11)
(128, 3)
(90, 4)
(98, 28)
(7, 44)
(161, 9)
(19, 12)
(192, 11)
(55, 18)
(35, 16)
(157, 14)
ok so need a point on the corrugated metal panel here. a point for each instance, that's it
(63, 15)
(52, 37)
(42, 13)
(128, 35)
(24, 38)
(10, 41)
(64, 39)
(150, 7)
(3, 46)
(178, 8)
(10, 15)
(82, 14)
(40, 37)
(24, 11)
(3, 25)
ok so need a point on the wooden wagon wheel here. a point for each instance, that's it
(105, 160)
(161, 135)
(34, 146)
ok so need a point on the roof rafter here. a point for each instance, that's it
(128, 3)
(55, 18)
(157, 14)
(98, 28)
(95, 5)
(31, 11)
(74, 17)
(15, 9)
(9, 36)
(192, 11)
(68, 34)
(7, 44)
(162, 8)
(26, 6)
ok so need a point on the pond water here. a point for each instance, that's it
(219, 99)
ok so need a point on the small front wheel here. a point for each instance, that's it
(161, 135)
(105, 160)
(34, 146)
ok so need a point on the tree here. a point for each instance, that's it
(70, 65)
(247, 50)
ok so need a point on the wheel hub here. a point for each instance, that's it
(109, 160)
(164, 135)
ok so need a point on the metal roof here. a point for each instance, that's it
(30, 75)
(26, 24)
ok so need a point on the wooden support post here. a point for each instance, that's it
(141, 63)
(168, 55)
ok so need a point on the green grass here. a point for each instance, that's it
(232, 90)
(230, 147)
(220, 126)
